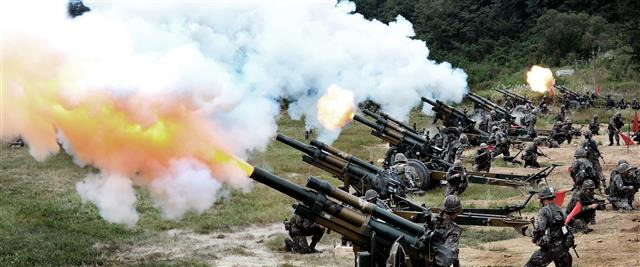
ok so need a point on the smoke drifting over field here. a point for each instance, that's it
(161, 94)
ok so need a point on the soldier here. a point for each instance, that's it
(504, 126)
(613, 173)
(299, 228)
(581, 169)
(568, 130)
(593, 154)
(557, 133)
(634, 104)
(484, 123)
(500, 142)
(589, 205)
(372, 197)
(550, 234)
(457, 148)
(610, 103)
(615, 124)
(400, 169)
(622, 104)
(445, 224)
(622, 188)
(594, 125)
(561, 115)
(482, 161)
(456, 178)
(531, 153)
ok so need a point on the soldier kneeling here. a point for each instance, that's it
(457, 180)
(622, 190)
(299, 228)
(550, 234)
(589, 204)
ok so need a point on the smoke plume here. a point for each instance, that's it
(162, 94)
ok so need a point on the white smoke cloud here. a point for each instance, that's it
(189, 186)
(233, 60)
(112, 194)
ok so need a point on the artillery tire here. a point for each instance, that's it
(424, 176)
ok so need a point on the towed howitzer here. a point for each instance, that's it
(520, 100)
(488, 106)
(384, 117)
(404, 141)
(353, 171)
(496, 217)
(372, 230)
(452, 117)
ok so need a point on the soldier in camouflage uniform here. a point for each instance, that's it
(561, 115)
(593, 155)
(568, 130)
(594, 125)
(459, 146)
(449, 231)
(482, 160)
(500, 143)
(531, 153)
(581, 169)
(634, 104)
(530, 122)
(372, 197)
(299, 228)
(550, 234)
(557, 133)
(615, 124)
(400, 168)
(589, 205)
(457, 180)
(622, 190)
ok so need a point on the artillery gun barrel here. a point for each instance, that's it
(393, 135)
(513, 95)
(489, 106)
(345, 156)
(386, 117)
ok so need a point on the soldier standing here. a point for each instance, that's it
(550, 234)
(594, 125)
(448, 229)
(500, 142)
(593, 154)
(299, 228)
(561, 115)
(457, 180)
(610, 103)
(622, 190)
(615, 124)
(482, 160)
(568, 130)
(531, 153)
(457, 148)
(531, 121)
(589, 205)
(581, 169)
(372, 197)
(400, 168)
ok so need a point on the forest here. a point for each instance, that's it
(492, 39)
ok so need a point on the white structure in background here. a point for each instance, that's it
(565, 73)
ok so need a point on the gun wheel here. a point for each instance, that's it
(422, 178)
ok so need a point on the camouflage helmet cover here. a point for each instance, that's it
(580, 152)
(587, 133)
(370, 195)
(546, 193)
(588, 184)
(624, 167)
(452, 204)
(457, 164)
(483, 145)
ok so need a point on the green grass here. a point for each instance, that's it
(473, 237)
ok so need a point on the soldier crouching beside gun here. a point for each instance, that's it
(624, 185)
(299, 228)
(551, 234)
(585, 212)
(447, 231)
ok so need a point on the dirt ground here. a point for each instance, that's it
(615, 241)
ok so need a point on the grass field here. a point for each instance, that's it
(44, 222)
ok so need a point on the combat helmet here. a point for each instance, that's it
(400, 158)
(588, 134)
(370, 195)
(452, 204)
(483, 145)
(464, 139)
(618, 114)
(495, 128)
(624, 167)
(580, 152)
(546, 193)
(457, 164)
(588, 184)
(537, 140)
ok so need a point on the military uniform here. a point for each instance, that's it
(568, 130)
(593, 154)
(482, 160)
(457, 180)
(500, 142)
(615, 124)
(447, 232)
(407, 175)
(552, 236)
(594, 125)
(610, 103)
(622, 190)
(557, 133)
(458, 147)
(635, 105)
(372, 196)
(299, 228)
(561, 115)
(581, 169)
(530, 155)
(587, 214)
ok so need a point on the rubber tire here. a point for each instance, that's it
(422, 171)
